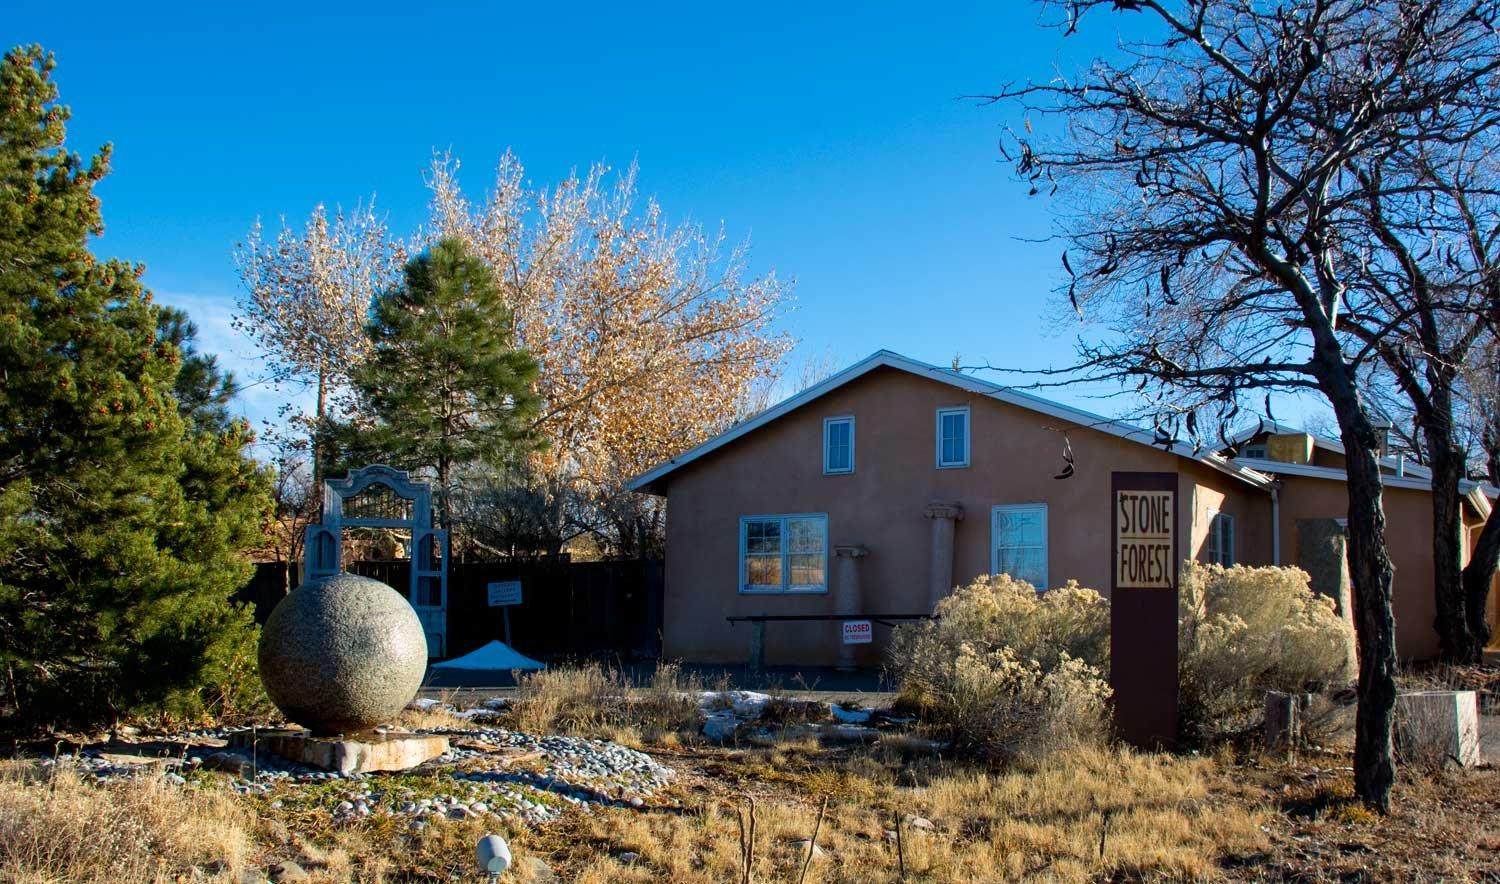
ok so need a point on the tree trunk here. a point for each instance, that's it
(1478, 576)
(1372, 576)
(1456, 642)
(317, 442)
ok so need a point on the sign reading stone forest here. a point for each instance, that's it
(1143, 607)
(1144, 554)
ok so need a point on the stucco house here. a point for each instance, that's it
(879, 489)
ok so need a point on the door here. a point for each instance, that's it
(429, 588)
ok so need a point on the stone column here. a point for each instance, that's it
(944, 517)
(847, 597)
(1323, 552)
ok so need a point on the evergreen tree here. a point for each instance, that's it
(120, 519)
(203, 390)
(445, 386)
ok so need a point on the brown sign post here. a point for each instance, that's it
(1143, 607)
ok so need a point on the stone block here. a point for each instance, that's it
(1285, 718)
(1439, 725)
(356, 753)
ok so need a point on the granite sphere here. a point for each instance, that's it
(342, 654)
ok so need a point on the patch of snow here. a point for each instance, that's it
(745, 704)
(850, 716)
(497, 704)
(495, 656)
(425, 704)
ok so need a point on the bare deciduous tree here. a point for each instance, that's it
(1208, 178)
(1423, 292)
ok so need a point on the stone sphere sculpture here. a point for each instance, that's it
(342, 653)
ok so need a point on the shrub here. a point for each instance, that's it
(1004, 670)
(1244, 631)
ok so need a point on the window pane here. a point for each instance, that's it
(1023, 563)
(807, 535)
(763, 570)
(953, 445)
(763, 537)
(1020, 528)
(807, 570)
(840, 445)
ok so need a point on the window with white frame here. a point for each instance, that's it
(1019, 536)
(838, 445)
(953, 437)
(784, 553)
(1221, 539)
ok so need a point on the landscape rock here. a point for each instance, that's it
(720, 726)
(534, 871)
(230, 763)
(288, 871)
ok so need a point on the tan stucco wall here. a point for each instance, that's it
(1408, 514)
(1015, 452)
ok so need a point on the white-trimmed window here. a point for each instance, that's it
(838, 445)
(953, 437)
(784, 553)
(1018, 534)
(1220, 546)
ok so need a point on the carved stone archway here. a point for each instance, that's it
(383, 497)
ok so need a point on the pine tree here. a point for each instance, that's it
(120, 518)
(202, 388)
(445, 385)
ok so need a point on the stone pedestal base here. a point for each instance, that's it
(352, 753)
(1441, 724)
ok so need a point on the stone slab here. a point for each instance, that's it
(1439, 723)
(351, 753)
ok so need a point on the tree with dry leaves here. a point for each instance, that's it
(307, 298)
(649, 336)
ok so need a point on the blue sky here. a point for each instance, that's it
(834, 138)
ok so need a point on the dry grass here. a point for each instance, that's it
(1081, 815)
(594, 701)
(141, 829)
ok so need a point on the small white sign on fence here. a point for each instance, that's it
(504, 593)
(858, 632)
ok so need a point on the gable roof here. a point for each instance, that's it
(649, 481)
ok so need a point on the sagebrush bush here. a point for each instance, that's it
(1006, 670)
(1243, 631)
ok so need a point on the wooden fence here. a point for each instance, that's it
(568, 609)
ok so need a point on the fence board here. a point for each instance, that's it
(568, 609)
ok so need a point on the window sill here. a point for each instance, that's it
(815, 590)
(953, 466)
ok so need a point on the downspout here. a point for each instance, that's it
(1276, 522)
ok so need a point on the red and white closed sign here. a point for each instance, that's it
(858, 632)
